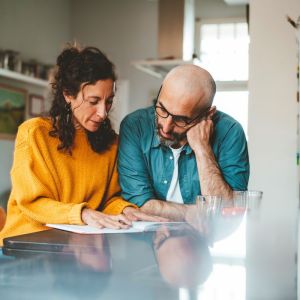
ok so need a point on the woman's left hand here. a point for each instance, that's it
(100, 220)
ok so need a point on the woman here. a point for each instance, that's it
(64, 168)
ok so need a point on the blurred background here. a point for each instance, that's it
(248, 46)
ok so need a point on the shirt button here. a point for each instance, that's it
(165, 181)
(171, 157)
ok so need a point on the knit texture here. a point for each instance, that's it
(49, 186)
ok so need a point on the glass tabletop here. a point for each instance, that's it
(232, 253)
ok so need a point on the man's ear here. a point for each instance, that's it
(211, 112)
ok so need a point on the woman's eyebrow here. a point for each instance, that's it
(96, 97)
(99, 98)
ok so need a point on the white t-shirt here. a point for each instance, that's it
(174, 193)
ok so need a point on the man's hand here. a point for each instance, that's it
(210, 176)
(100, 220)
(199, 136)
(135, 214)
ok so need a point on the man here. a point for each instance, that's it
(181, 148)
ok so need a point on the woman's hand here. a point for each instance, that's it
(135, 214)
(100, 220)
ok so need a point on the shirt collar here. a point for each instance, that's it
(188, 150)
(156, 143)
(155, 140)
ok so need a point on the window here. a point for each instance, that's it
(235, 104)
(223, 51)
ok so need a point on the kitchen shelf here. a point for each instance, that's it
(237, 85)
(23, 78)
(159, 68)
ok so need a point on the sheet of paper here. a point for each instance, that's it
(143, 225)
(85, 229)
(138, 226)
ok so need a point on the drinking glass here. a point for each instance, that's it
(248, 200)
(208, 204)
(254, 199)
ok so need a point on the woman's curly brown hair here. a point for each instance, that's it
(74, 67)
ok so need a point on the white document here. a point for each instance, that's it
(144, 225)
(86, 229)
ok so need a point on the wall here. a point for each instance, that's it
(272, 130)
(38, 29)
(126, 31)
(217, 9)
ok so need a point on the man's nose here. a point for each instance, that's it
(168, 124)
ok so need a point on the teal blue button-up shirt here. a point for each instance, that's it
(146, 167)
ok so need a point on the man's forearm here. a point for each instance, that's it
(210, 176)
(169, 210)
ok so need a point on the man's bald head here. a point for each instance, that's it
(190, 83)
(186, 95)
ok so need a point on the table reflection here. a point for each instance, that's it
(96, 257)
(218, 222)
(182, 256)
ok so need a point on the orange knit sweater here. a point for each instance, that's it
(49, 186)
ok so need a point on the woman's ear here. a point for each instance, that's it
(67, 97)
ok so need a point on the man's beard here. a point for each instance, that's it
(176, 137)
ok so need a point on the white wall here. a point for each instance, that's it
(272, 102)
(272, 134)
(217, 9)
(126, 31)
(37, 29)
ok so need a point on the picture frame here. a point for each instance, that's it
(36, 105)
(12, 110)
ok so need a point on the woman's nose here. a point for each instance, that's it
(101, 111)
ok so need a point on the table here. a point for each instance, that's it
(231, 255)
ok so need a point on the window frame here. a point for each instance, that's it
(226, 85)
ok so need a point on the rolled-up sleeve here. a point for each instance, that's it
(133, 172)
(233, 158)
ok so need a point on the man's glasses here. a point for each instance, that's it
(180, 121)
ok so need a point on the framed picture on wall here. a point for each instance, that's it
(36, 105)
(12, 110)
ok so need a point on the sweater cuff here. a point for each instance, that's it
(117, 207)
(75, 214)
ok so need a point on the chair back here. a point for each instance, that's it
(2, 218)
